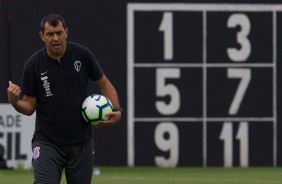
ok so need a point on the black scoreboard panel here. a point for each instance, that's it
(202, 84)
(240, 143)
(149, 41)
(223, 92)
(220, 36)
(147, 87)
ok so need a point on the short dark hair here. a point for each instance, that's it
(53, 20)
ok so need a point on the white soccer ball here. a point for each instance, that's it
(95, 107)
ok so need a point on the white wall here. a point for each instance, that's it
(16, 131)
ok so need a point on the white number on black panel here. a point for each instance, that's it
(242, 136)
(242, 53)
(244, 74)
(164, 89)
(167, 28)
(167, 140)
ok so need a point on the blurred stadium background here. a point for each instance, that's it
(200, 81)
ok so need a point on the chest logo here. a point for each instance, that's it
(77, 65)
(43, 73)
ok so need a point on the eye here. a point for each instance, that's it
(49, 34)
(59, 33)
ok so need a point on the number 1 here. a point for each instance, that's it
(167, 27)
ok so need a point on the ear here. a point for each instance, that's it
(41, 34)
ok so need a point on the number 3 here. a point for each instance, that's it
(242, 54)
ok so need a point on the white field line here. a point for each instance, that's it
(206, 180)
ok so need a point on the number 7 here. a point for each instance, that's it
(245, 76)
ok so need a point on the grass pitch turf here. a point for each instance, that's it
(154, 175)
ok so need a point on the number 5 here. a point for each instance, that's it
(163, 89)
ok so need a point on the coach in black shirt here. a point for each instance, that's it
(54, 85)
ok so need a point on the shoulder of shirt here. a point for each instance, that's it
(77, 47)
(35, 56)
(80, 50)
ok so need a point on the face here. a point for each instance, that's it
(55, 39)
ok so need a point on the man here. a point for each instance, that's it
(54, 85)
(3, 163)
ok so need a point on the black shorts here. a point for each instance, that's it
(49, 161)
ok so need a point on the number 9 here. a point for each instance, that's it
(171, 144)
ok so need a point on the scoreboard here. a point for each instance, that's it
(202, 84)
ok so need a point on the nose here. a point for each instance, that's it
(55, 37)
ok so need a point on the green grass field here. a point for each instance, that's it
(153, 175)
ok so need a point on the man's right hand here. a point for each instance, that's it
(13, 92)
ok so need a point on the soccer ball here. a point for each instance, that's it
(95, 107)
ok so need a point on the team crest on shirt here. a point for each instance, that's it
(77, 65)
(36, 152)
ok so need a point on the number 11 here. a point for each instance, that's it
(227, 137)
